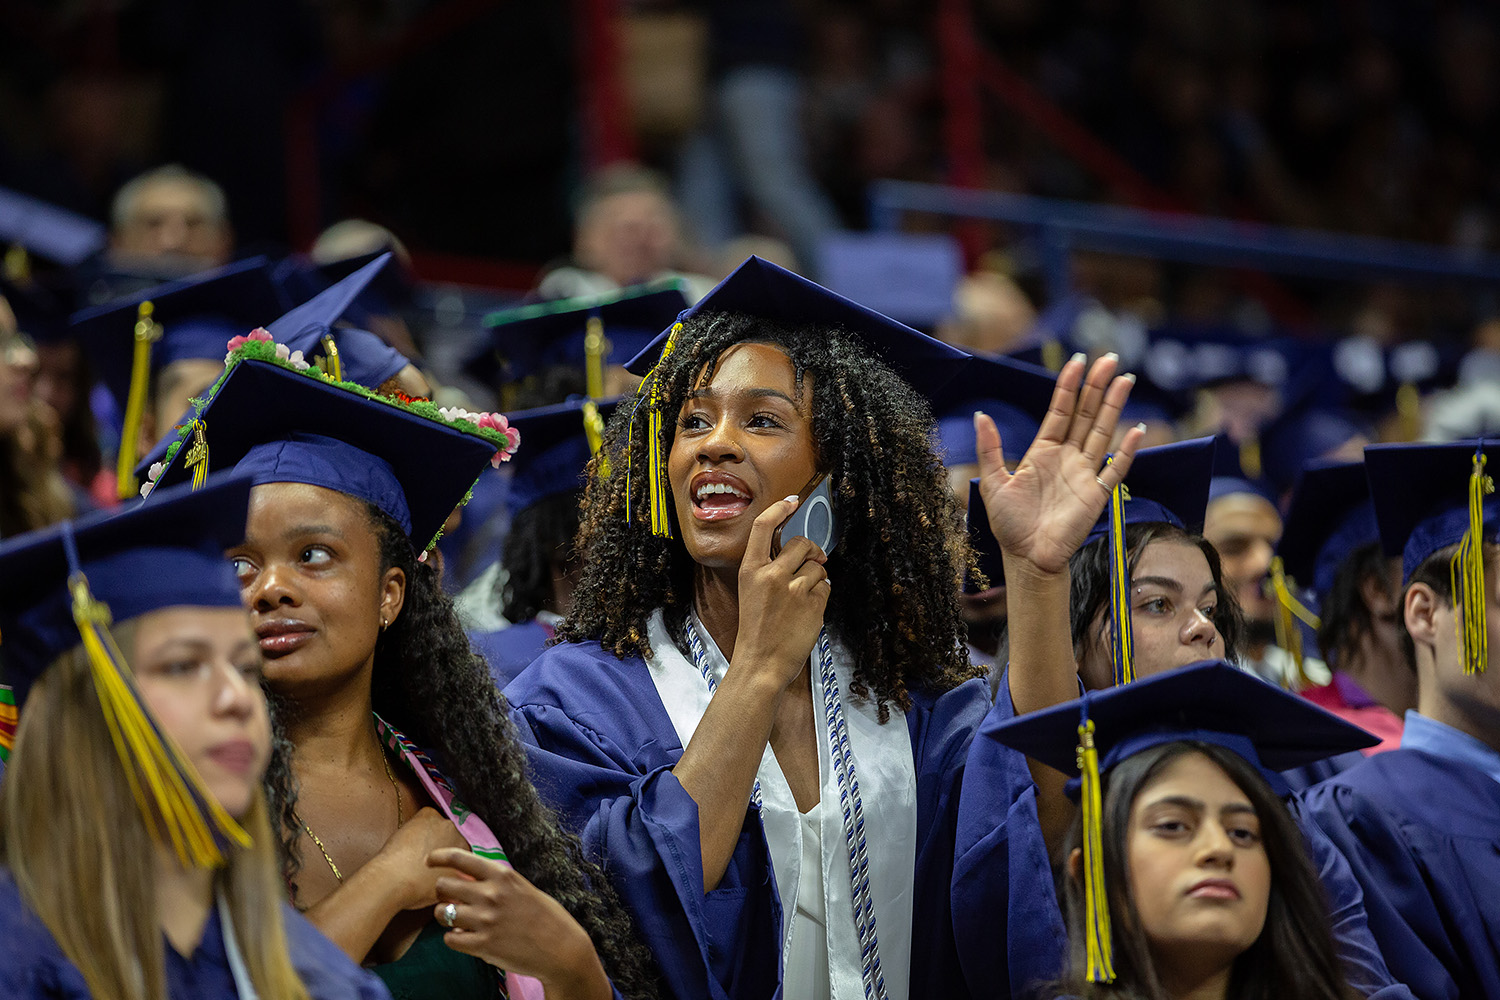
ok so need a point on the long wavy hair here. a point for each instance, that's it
(33, 493)
(428, 683)
(541, 537)
(903, 548)
(84, 861)
(1089, 569)
(1294, 956)
(1344, 617)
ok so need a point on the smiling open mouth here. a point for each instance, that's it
(715, 498)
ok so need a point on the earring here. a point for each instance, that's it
(384, 623)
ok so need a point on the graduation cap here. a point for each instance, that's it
(1300, 436)
(587, 332)
(560, 440)
(194, 318)
(1210, 702)
(47, 231)
(1430, 496)
(1330, 515)
(345, 353)
(41, 313)
(62, 587)
(267, 420)
(1015, 394)
(763, 290)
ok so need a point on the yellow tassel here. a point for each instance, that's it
(17, 264)
(1123, 652)
(177, 808)
(1250, 461)
(1288, 611)
(1100, 945)
(595, 347)
(147, 332)
(656, 459)
(593, 430)
(197, 454)
(330, 363)
(1409, 411)
(1467, 573)
(1052, 354)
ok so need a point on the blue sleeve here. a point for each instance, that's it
(1401, 912)
(1007, 920)
(32, 966)
(325, 970)
(1349, 920)
(641, 825)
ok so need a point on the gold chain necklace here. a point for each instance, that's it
(394, 787)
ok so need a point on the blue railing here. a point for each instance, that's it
(1065, 226)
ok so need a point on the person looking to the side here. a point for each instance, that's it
(137, 860)
(1186, 878)
(1421, 824)
(403, 779)
(728, 723)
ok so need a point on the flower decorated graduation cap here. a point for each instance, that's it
(588, 332)
(134, 337)
(763, 290)
(1209, 702)
(560, 440)
(64, 586)
(1429, 497)
(280, 421)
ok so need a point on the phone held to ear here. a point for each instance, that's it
(813, 519)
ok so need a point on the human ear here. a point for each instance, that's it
(392, 593)
(1075, 864)
(1376, 595)
(1419, 610)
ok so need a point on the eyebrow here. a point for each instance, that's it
(1166, 582)
(298, 530)
(707, 392)
(1197, 805)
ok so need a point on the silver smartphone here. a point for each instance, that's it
(813, 519)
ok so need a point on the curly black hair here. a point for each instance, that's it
(1089, 569)
(540, 537)
(429, 684)
(903, 548)
(1343, 614)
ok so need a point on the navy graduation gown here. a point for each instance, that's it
(1037, 941)
(32, 966)
(510, 650)
(1422, 834)
(602, 750)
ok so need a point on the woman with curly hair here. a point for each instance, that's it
(404, 778)
(763, 742)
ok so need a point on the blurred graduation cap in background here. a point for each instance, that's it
(560, 440)
(31, 226)
(1015, 394)
(586, 333)
(1330, 516)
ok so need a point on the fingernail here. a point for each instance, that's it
(1141, 426)
(978, 414)
(1080, 356)
(1129, 377)
(790, 499)
(1111, 356)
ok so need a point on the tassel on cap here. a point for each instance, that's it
(1098, 939)
(656, 459)
(329, 362)
(197, 454)
(177, 808)
(593, 430)
(1467, 572)
(147, 332)
(1288, 611)
(1409, 411)
(1123, 649)
(17, 265)
(595, 348)
(1250, 460)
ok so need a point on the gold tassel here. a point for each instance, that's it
(1099, 942)
(1123, 652)
(656, 459)
(1250, 462)
(1052, 354)
(330, 363)
(1288, 611)
(177, 808)
(593, 429)
(594, 349)
(1409, 411)
(1467, 573)
(17, 264)
(147, 332)
(197, 454)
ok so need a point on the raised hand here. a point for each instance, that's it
(1041, 513)
(503, 919)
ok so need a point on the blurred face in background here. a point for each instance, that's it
(174, 218)
(18, 366)
(628, 237)
(1245, 528)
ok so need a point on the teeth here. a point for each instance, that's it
(708, 489)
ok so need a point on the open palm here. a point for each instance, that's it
(1042, 512)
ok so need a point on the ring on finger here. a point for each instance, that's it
(1107, 488)
(448, 915)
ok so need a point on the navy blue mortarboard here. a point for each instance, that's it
(41, 313)
(190, 319)
(63, 586)
(761, 289)
(1329, 517)
(1431, 496)
(1300, 436)
(48, 231)
(1013, 393)
(529, 338)
(559, 444)
(1210, 702)
(278, 425)
(346, 353)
